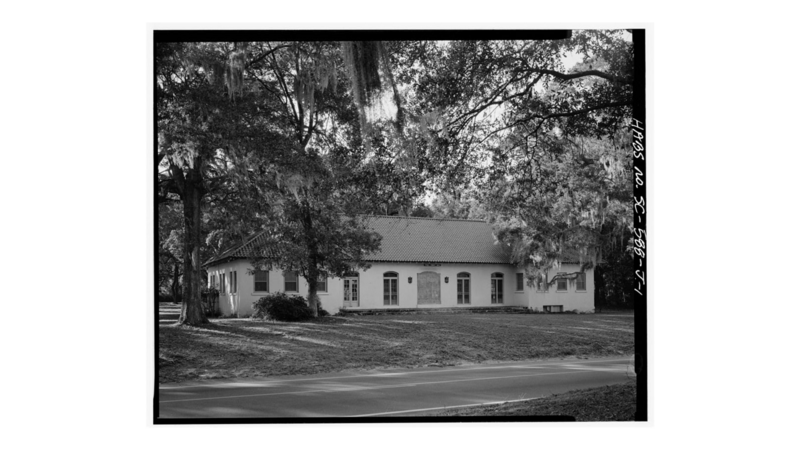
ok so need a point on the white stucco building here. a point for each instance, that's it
(423, 263)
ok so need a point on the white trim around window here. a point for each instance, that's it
(391, 289)
(562, 280)
(497, 288)
(290, 278)
(580, 282)
(260, 280)
(462, 288)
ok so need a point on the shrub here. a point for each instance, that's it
(322, 313)
(282, 307)
(210, 299)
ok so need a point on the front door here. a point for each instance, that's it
(351, 292)
(429, 288)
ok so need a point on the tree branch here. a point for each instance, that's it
(554, 115)
(270, 90)
(580, 111)
(265, 54)
(491, 101)
(586, 73)
(282, 83)
(301, 111)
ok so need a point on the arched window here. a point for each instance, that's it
(462, 288)
(390, 288)
(497, 287)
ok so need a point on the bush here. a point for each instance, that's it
(321, 312)
(210, 299)
(282, 307)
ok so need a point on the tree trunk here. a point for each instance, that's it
(313, 258)
(313, 276)
(176, 287)
(313, 299)
(192, 309)
(601, 291)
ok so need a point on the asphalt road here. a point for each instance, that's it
(400, 392)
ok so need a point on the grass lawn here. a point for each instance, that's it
(607, 403)
(229, 348)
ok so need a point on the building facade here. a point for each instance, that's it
(423, 263)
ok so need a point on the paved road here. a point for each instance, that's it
(387, 393)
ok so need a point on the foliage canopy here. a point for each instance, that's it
(298, 139)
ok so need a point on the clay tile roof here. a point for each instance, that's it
(249, 249)
(417, 239)
(413, 239)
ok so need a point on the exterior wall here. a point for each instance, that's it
(571, 299)
(480, 285)
(229, 302)
(241, 303)
(371, 287)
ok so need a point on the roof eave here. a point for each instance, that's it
(216, 261)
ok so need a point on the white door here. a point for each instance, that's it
(351, 292)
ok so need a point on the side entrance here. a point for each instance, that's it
(351, 292)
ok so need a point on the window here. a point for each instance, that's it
(290, 281)
(541, 284)
(222, 283)
(390, 286)
(462, 288)
(322, 284)
(562, 282)
(520, 282)
(553, 308)
(497, 287)
(233, 282)
(580, 282)
(261, 281)
(212, 281)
